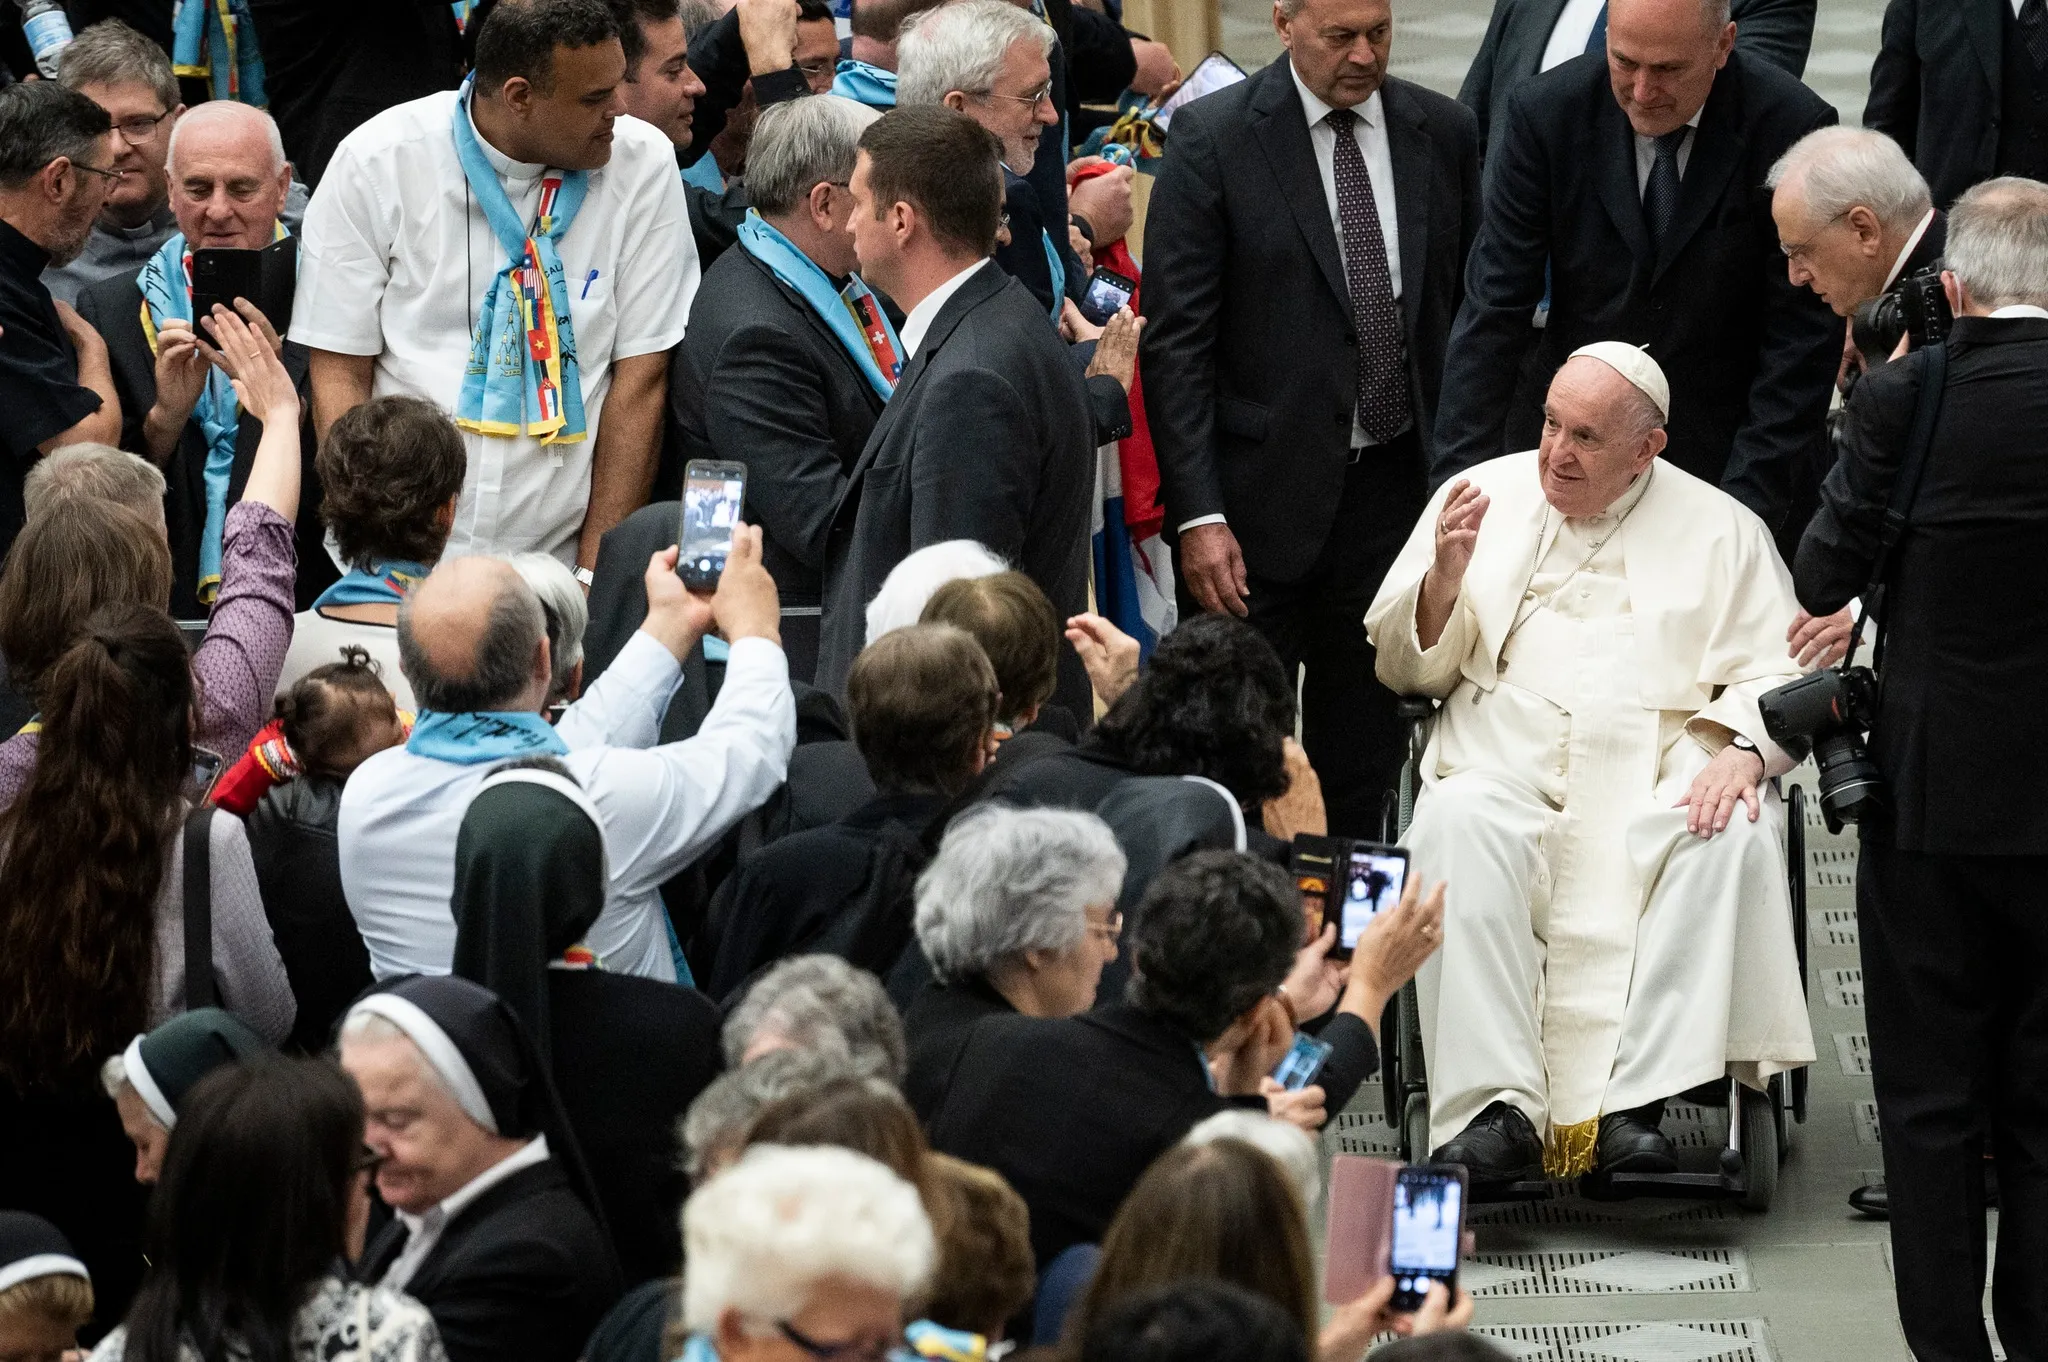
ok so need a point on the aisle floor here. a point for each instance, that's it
(1572, 1280)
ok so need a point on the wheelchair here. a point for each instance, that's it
(1758, 1123)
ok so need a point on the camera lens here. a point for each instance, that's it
(1851, 787)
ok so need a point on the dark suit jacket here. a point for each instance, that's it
(1751, 359)
(782, 396)
(936, 1028)
(788, 899)
(629, 1056)
(989, 438)
(1249, 351)
(1966, 609)
(522, 1274)
(114, 307)
(1777, 31)
(1937, 87)
(1072, 1111)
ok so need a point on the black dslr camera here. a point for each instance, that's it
(1828, 713)
(1916, 306)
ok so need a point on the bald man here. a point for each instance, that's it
(1598, 624)
(1625, 192)
(472, 642)
(229, 186)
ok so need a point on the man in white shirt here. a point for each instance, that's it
(440, 224)
(472, 640)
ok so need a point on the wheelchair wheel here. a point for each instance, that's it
(1759, 1149)
(1415, 1129)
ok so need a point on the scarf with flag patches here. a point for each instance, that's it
(215, 41)
(522, 377)
(851, 314)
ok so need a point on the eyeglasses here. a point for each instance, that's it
(1043, 95)
(812, 70)
(1109, 930)
(114, 175)
(140, 128)
(890, 1351)
(1800, 249)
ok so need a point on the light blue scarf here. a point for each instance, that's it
(848, 313)
(873, 86)
(522, 377)
(215, 41)
(705, 174)
(166, 284)
(382, 583)
(1056, 266)
(483, 736)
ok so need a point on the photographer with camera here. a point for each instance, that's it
(1954, 828)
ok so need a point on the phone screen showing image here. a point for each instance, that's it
(1107, 291)
(713, 495)
(1429, 1230)
(1304, 1062)
(1378, 874)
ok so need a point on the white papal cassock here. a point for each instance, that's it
(1596, 956)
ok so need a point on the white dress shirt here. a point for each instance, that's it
(1646, 152)
(919, 319)
(426, 1229)
(396, 256)
(1574, 29)
(1369, 130)
(2017, 6)
(2039, 314)
(661, 807)
(1906, 251)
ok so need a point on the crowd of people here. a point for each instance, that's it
(433, 927)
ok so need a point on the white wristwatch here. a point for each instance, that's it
(583, 575)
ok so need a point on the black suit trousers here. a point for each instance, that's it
(1955, 976)
(1316, 623)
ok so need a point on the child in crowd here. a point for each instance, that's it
(333, 720)
(45, 1292)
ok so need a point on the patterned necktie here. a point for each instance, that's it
(2033, 23)
(1596, 41)
(1382, 373)
(1660, 195)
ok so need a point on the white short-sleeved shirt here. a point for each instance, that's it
(394, 260)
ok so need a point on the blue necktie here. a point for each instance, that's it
(1596, 41)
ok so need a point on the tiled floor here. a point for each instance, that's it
(1572, 1280)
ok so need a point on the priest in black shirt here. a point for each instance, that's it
(55, 386)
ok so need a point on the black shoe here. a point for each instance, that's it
(1874, 1201)
(1630, 1142)
(1499, 1146)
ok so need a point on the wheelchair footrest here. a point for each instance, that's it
(1623, 1186)
(1533, 1189)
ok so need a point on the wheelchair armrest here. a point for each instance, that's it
(1414, 708)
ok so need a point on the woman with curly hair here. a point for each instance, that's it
(389, 472)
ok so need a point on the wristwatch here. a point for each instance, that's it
(1742, 744)
(586, 576)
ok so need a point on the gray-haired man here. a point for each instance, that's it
(792, 385)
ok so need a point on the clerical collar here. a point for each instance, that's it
(1624, 503)
(509, 170)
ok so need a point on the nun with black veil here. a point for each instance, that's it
(628, 1054)
(496, 1227)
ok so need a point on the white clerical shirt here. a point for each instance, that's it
(394, 261)
(424, 1231)
(662, 807)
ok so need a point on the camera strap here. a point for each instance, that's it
(1906, 486)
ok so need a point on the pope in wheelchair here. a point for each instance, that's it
(1598, 625)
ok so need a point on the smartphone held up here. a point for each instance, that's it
(714, 496)
(1392, 1220)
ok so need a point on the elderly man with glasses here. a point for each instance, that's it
(227, 185)
(128, 75)
(55, 149)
